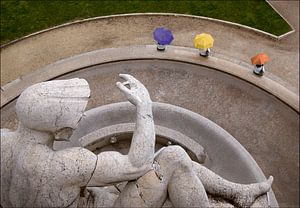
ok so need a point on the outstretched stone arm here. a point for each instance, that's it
(114, 167)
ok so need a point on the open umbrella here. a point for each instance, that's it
(203, 41)
(163, 36)
(260, 59)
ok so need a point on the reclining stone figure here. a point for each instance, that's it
(34, 175)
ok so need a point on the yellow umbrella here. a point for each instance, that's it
(203, 41)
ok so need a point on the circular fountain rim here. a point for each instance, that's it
(123, 113)
(173, 53)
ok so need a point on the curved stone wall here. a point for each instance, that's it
(225, 155)
(239, 69)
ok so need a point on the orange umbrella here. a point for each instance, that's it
(260, 59)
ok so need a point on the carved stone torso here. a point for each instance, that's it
(41, 177)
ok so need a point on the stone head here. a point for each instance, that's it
(54, 105)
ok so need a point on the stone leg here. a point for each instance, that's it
(243, 195)
(173, 174)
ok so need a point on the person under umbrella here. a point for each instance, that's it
(163, 37)
(258, 61)
(204, 42)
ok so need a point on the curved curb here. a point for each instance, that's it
(174, 53)
(286, 34)
(155, 14)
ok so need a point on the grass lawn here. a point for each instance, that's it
(20, 18)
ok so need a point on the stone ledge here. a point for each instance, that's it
(175, 53)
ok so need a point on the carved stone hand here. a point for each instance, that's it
(137, 93)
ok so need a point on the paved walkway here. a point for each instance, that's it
(231, 42)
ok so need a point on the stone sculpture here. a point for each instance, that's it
(34, 175)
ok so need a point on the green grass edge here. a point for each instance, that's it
(21, 18)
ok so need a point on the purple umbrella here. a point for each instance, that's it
(163, 36)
